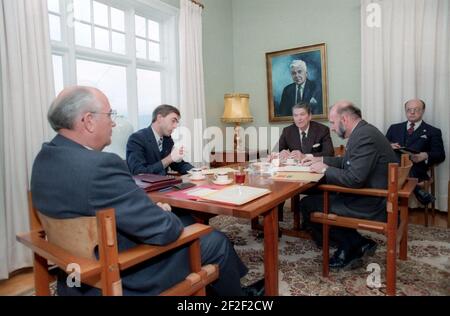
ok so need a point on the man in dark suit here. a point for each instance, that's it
(304, 136)
(72, 177)
(151, 149)
(301, 90)
(365, 164)
(421, 137)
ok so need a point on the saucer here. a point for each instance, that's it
(197, 179)
(223, 182)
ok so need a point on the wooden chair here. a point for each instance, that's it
(65, 241)
(339, 151)
(397, 195)
(429, 186)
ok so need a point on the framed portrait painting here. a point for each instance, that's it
(295, 76)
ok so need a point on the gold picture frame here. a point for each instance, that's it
(288, 83)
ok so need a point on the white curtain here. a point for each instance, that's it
(405, 55)
(27, 90)
(192, 89)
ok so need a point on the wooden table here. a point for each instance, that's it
(266, 206)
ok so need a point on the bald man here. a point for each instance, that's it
(365, 164)
(72, 177)
(425, 139)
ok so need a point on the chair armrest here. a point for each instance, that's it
(407, 188)
(141, 253)
(362, 191)
(35, 240)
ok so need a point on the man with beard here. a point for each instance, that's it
(364, 165)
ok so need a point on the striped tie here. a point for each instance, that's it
(160, 143)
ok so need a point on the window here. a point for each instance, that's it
(125, 48)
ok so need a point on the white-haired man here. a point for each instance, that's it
(301, 90)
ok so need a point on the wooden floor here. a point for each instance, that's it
(22, 280)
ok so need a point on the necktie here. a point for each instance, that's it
(160, 142)
(411, 128)
(298, 97)
(303, 138)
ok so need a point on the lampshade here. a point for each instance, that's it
(236, 108)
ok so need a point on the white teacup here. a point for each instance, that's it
(196, 173)
(221, 177)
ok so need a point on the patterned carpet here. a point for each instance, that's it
(426, 272)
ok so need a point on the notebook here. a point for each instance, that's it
(153, 182)
(233, 195)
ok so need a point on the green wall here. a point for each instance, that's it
(261, 26)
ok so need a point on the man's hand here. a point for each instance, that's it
(318, 167)
(166, 207)
(177, 154)
(297, 154)
(309, 160)
(284, 154)
(395, 145)
(419, 157)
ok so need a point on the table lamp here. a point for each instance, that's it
(236, 111)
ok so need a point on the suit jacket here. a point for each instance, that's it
(69, 181)
(365, 164)
(425, 138)
(310, 91)
(143, 155)
(318, 142)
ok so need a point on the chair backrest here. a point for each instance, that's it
(403, 170)
(78, 235)
(339, 151)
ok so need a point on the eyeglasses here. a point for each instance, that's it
(413, 110)
(112, 114)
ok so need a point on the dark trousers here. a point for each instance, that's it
(345, 238)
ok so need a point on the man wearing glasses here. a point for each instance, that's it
(72, 177)
(421, 138)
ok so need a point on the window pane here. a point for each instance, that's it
(110, 79)
(101, 14)
(140, 26)
(149, 95)
(153, 51)
(118, 43)
(117, 19)
(83, 34)
(153, 30)
(53, 5)
(58, 73)
(55, 27)
(101, 38)
(141, 48)
(82, 10)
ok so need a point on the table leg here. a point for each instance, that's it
(271, 252)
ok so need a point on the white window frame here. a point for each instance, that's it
(168, 66)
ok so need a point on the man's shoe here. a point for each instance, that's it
(345, 259)
(254, 289)
(368, 248)
(424, 197)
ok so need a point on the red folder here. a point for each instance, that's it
(153, 182)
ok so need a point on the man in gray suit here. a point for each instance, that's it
(72, 177)
(365, 164)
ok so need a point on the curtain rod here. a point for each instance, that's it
(198, 3)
